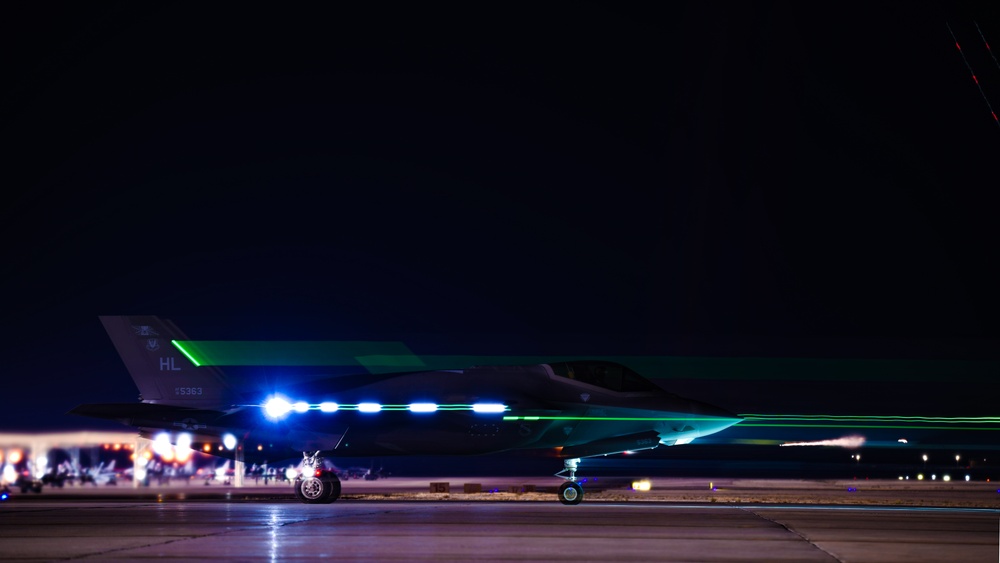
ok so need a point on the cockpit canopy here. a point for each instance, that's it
(608, 375)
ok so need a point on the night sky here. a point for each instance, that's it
(746, 182)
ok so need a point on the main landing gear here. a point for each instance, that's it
(316, 485)
(570, 492)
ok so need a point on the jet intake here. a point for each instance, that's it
(630, 442)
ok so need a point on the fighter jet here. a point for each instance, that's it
(575, 409)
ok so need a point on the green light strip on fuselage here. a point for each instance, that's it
(869, 426)
(873, 418)
(611, 418)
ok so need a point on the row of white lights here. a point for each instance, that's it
(277, 407)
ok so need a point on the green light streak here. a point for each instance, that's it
(889, 422)
(836, 417)
(630, 418)
(870, 426)
(185, 352)
(390, 357)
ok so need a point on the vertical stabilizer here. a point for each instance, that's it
(161, 372)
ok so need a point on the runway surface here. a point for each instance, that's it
(400, 520)
(223, 530)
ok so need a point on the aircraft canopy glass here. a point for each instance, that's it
(608, 375)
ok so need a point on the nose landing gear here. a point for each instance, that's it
(316, 485)
(570, 492)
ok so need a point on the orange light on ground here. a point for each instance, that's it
(16, 456)
(168, 456)
(117, 447)
(148, 455)
(131, 457)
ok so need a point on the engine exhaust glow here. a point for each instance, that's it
(845, 442)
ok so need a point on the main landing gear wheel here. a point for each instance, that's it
(570, 493)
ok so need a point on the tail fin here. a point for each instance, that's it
(161, 372)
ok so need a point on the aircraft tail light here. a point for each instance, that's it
(423, 407)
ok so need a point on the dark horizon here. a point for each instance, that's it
(796, 212)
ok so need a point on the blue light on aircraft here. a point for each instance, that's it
(329, 407)
(488, 407)
(300, 406)
(276, 407)
(423, 407)
(229, 441)
(369, 407)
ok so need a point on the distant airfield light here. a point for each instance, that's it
(300, 406)
(642, 486)
(329, 407)
(967, 477)
(902, 441)
(369, 407)
(946, 478)
(229, 441)
(489, 407)
(276, 407)
(161, 444)
(920, 476)
(423, 407)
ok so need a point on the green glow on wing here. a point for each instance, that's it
(185, 352)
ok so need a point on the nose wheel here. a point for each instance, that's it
(570, 492)
(316, 485)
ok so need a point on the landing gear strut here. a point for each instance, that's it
(570, 492)
(316, 485)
